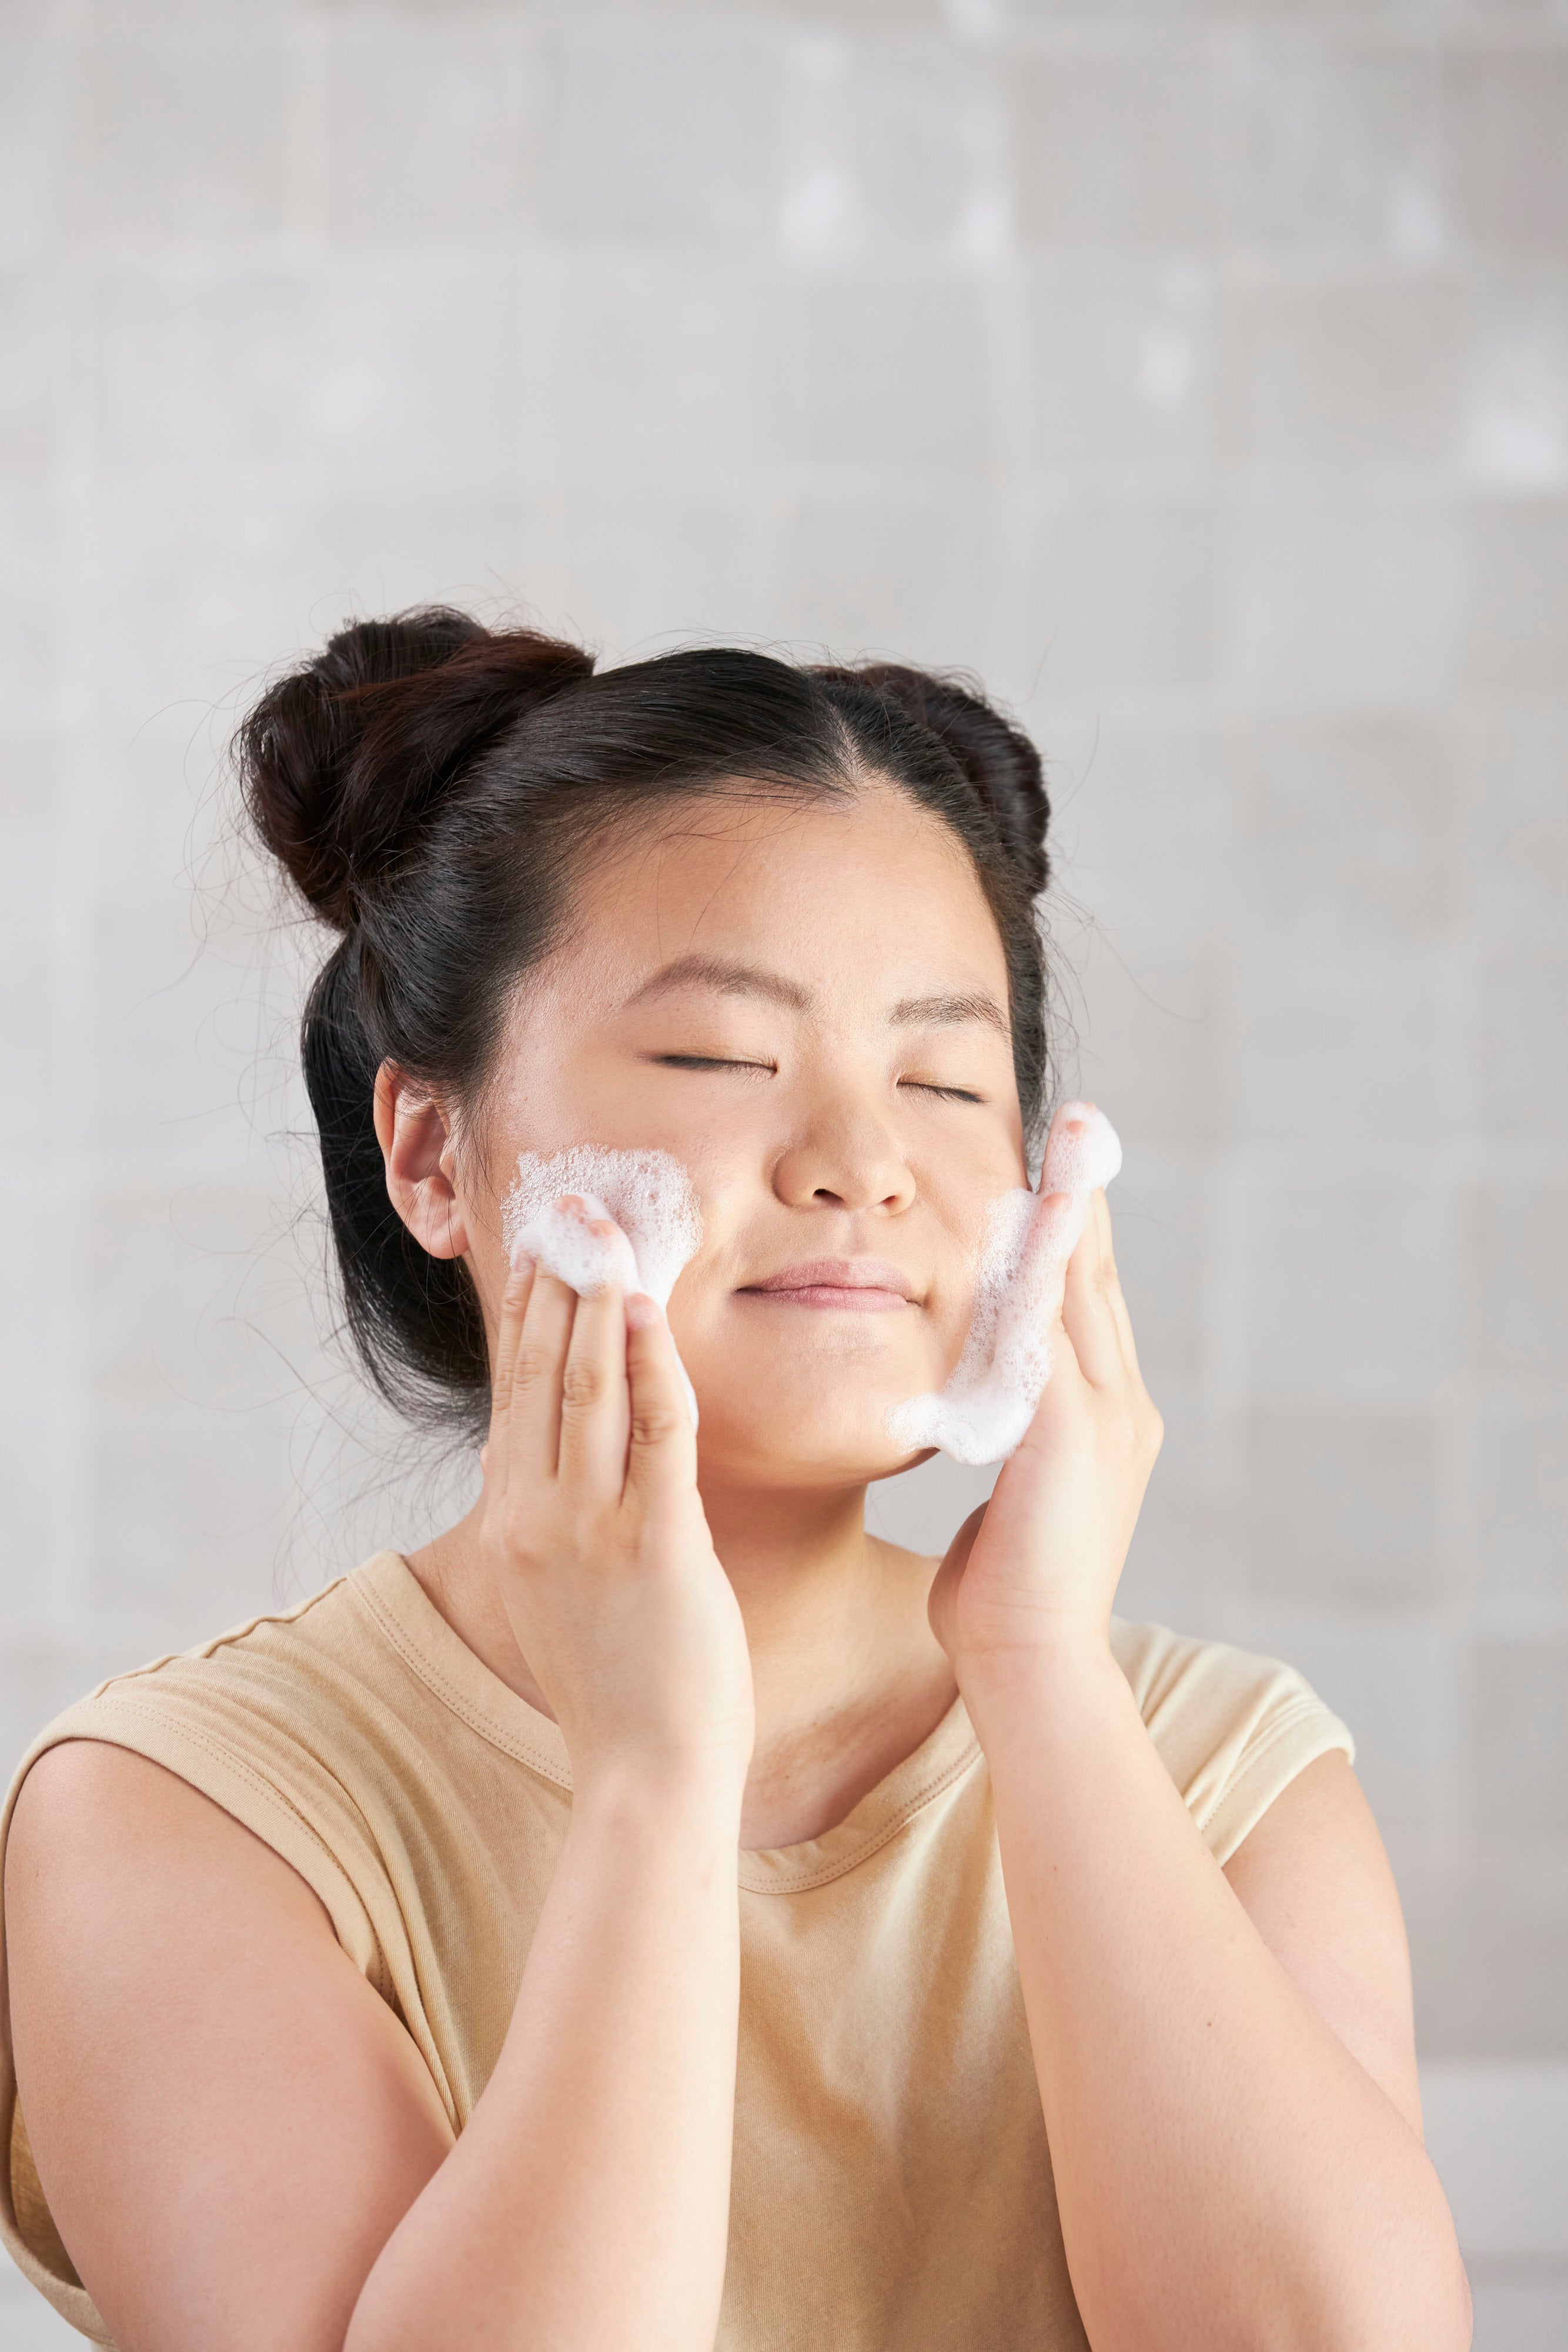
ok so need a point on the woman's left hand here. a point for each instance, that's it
(1040, 1561)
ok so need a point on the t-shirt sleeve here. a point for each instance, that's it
(1233, 1729)
(255, 1772)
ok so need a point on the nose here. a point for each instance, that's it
(845, 1157)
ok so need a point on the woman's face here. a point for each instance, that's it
(806, 1004)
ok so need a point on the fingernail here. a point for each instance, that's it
(523, 1261)
(641, 1312)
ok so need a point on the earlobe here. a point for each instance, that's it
(414, 1137)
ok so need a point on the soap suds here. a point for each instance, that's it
(647, 1195)
(990, 1398)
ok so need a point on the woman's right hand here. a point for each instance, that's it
(593, 1529)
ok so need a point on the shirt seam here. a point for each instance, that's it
(451, 1697)
(800, 1882)
(205, 1650)
(1300, 1709)
(786, 1884)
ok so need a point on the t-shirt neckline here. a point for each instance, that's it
(437, 1653)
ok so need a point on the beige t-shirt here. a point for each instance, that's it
(892, 2187)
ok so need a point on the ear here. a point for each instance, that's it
(417, 1147)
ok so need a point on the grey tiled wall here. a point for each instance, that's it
(1201, 378)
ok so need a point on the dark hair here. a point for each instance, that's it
(430, 786)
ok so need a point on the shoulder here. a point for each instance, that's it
(264, 1739)
(188, 2039)
(274, 1667)
(133, 1768)
(1175, 1674)
(81, 1795)
(326, 1624)
(282, 1688)
(1232, 1727)
(1313, 1878)
(98, 1832)
(1264, 1765)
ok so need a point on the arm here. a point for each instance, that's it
(242, 2146)
(586, 2206)
(1225, 2063)
(1238, 2157)
(237, 2137)
(587, 2203)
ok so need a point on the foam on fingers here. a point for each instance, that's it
(1083, 1152)
(647, 1199)
(561, 1238)
(982, 1410)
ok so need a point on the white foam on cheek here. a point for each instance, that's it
(560, 1239)
(983, 1409)
(647, 1195)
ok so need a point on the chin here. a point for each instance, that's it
(807, 1407)
(825, 1442)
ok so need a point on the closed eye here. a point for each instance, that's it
(709, 1062)
(947, 1094)
(769, 1069)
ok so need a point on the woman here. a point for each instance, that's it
(656, 1913)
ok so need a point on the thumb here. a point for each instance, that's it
(942, 1598)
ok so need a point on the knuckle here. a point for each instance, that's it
(531, 1367)
(653, 1425)
(508, 1548)
(582, 1385)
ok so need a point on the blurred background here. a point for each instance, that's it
(1199, 377)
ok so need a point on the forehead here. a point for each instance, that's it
(866, 893)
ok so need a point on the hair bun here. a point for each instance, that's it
(1002, 765)
(342, 763)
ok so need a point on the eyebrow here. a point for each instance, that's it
(728, 978)
(750, 980)
(947, 1012)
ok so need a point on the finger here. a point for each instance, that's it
(1114, 1285)
(533, 1424)
(1039, 1294)
(1064, 1144)
(595, 1411)
(493, 1457)
(662, 1455)
(1086, 1309)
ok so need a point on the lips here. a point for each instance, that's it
(862, 1285)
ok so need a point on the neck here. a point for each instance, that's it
(847, 1675)
(821, 1598)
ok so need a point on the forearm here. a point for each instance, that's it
(1228, 2174)
(585, 2206)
